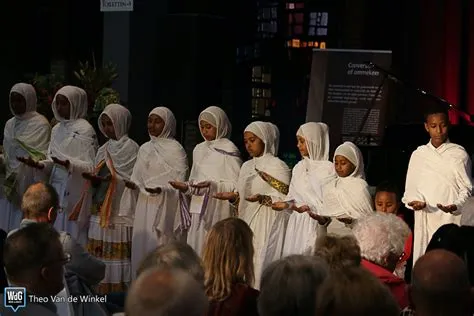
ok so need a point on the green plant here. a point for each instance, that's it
(46, 87)
(94, 79)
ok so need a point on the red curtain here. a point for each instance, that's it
(470, 65)
(439, 60)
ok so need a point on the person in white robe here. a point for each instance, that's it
(110, 235)
(149, 199)
(216, 166)
(26, 137)
(347, 197)
(263, 180)
(305, 196)
(438, 182)
(71, 152)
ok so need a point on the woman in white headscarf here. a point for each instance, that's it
(71, 152)
(110, 235)
(347, 197)
(216, 166)
(26, 138)
(305, 197)
(263, 181)
(150, 200)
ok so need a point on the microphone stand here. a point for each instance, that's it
(449, 105)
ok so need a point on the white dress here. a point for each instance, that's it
(307, 181)
(218, 162)
(265, 223)
(25, 135)
(156, 217)
(436, 176)
(74, 140)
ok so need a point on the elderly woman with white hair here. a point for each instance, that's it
(381, 238)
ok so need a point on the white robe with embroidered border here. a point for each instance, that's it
(436, 176)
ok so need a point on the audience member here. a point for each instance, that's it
(381, 238)
(338, 251)
(34, 259)
(289, 286)
(441, 286)
(448, 237)
(39, 204)
(174, 255)
(228, 265)
(166, 292)
(354, 291)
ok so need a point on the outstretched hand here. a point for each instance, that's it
(346, 220)
(156, 190)
(322, 220)
(417, 205)
(130, 185)
(30, 162)
(201, 185)
(254, 198)
(280, 206)
(64, 163)
(181, 186)
(225, 196)
(303, 209)
(447, 208)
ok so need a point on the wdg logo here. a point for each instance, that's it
(14, 298)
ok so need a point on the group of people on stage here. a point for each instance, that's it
(122, 200)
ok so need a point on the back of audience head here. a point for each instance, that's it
(34, 259)
(355, 291)
(174, 255)
(382, 238)
(40, 202)
(387, 198)
(166, 292)
(289, 286)
(338, 251)
(440, 285)
(228, 258)
(448, 237)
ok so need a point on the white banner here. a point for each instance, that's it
(116, 5)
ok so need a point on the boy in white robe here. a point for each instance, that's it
(26, 137)
(438, 181)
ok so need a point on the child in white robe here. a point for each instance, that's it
(347, 197)
(305, 197)
(263, 180)
(216, 166)
(71, 152)
(149, 199)
(26, 137)
(110, 235)
(438, 181)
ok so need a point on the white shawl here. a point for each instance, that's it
(217, 161)
(160, 160)
(74, 139)
(30, 129)
(436, 176)
(313, 172)
(348, 196)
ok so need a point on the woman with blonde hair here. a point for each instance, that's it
(229, 270)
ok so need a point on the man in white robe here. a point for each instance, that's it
(438, 182)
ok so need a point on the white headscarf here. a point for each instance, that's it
(352, 153)
(74, 139)
(31, 129)
(162, 159)
(313, 172)
(268, 134)
(218, 118)
(349, 196)
(122, 151)
(249, 180)
(77, 98)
